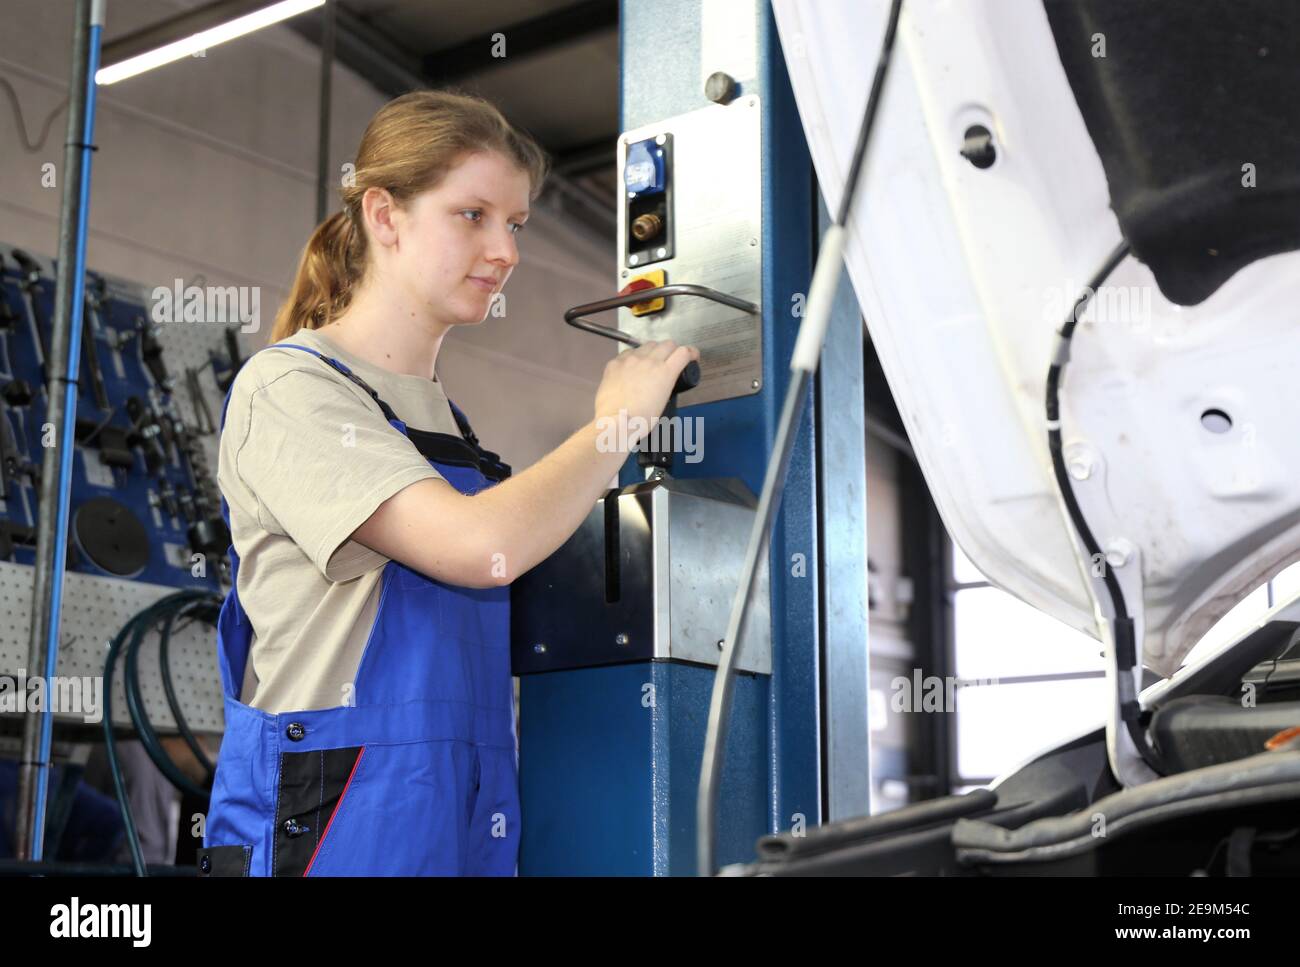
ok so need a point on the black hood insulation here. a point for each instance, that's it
(1193, 102)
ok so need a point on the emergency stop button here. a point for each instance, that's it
(650, 280)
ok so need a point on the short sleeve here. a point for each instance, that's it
(320, 460)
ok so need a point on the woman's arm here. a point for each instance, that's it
(490, 538)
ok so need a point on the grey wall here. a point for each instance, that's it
(207, 167)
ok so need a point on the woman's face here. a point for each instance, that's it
(455, 245)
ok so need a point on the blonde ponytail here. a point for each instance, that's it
(327, 272)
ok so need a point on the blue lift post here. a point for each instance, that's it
(610, 756)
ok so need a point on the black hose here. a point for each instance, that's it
(110, 750)
(1126, 646)
(209, 612)
(869, 114)
(140, 716)
(133, 627)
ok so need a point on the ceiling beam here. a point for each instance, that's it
(528, 38)
(368, 52)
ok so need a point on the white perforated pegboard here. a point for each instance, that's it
(94, 610)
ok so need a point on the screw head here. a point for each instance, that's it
(720, 87)
(621, 638)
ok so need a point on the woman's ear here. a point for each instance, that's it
(378, 208)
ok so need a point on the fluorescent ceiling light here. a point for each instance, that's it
(204, 39)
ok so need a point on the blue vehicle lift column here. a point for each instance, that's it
(610, 756)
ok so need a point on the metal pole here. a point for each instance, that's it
(56, 469)
(323, 177)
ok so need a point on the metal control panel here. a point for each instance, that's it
(692, 214)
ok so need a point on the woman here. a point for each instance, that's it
(364, 647)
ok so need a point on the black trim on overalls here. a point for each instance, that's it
(311, 785)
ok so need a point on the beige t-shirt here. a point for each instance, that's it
(305, 458)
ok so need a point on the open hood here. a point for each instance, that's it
(1178, 421)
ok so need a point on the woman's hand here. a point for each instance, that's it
(489, 539)
(637, 383)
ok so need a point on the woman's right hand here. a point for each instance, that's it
(490, 538)
(638, 382)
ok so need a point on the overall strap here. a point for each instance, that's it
(490, 463)
(463, 423)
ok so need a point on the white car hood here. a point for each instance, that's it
(964, 274)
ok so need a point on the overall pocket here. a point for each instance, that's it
(406, 813)
(313, 786)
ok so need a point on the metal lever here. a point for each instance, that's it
(690, 375)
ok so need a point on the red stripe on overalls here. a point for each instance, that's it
(343, 795)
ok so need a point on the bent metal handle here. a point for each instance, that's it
(690, 375)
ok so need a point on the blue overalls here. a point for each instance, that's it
(417, 774)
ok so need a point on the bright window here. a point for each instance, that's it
(1027, 682)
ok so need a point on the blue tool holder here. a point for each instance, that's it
(118, 315)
